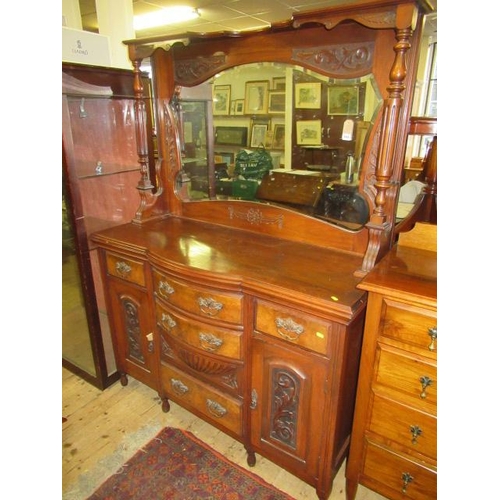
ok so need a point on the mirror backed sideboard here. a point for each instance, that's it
(231, 293)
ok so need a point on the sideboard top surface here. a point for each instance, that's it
(236, 258)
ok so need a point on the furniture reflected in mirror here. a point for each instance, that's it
(321, 123)
(417, 200)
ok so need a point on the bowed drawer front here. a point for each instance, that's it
(207, 337)
(205, 302)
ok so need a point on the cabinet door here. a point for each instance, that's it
(132, 329)
(288, 403)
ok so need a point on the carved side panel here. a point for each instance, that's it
(284, 411)
(132, 324)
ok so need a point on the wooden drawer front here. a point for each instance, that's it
(415, 430)
(208, 338)
(125, 268)
(397, 477)
(402, 372)
(293, 326)
(411, 325)
(184, 389)
(201, 301)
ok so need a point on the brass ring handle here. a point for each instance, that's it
(215, 408)
(167, 322)
(288, 329)
(123, 269)
(433, 333)
(407, 479)
(165, 289)
(178, 387)
(209, 306)
(416, 431)
(426, 382)
(210, 342)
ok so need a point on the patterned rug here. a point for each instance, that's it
(176, 465)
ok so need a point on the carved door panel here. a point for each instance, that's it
(132, 329)
(288, 392)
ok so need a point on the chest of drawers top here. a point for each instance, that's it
(405, 273)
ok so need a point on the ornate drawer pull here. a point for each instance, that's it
(210, 342)
(288, 329)
(123, 269)
(433, 333)
(179, 388)
(426, 382)
(165, 289)
(209, 306)
(215, 408)
(415, 432)
(407, 479)
(167, 322)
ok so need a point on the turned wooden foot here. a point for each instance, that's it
(251, 459)
(123, 379)
(165, 405)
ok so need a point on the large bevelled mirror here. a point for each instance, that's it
(282, 134)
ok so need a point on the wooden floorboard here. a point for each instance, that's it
(103, 429)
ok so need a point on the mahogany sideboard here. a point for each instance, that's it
(259, 336)
(248, 313)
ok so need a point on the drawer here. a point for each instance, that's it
(293, 326)
(207, 303)
(412, 379)
(396, 476)
(410, 324)
(413, 429)
(125, 268)
(187, 391)
(206, 337)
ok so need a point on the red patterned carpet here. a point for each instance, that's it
(176, 465)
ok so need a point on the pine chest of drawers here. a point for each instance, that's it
(393, 447)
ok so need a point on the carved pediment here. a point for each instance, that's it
(339, 59)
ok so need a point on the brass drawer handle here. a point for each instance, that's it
(288, 329)
(167, 322)
(165, 289)
(415, 431)
(215, 408)
(433, 333)
(210, 342)
(426, 382)
(178, 387)
(209, 306)
(123, 269)
(407, 479)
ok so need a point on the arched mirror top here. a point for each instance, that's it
(279, 134)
